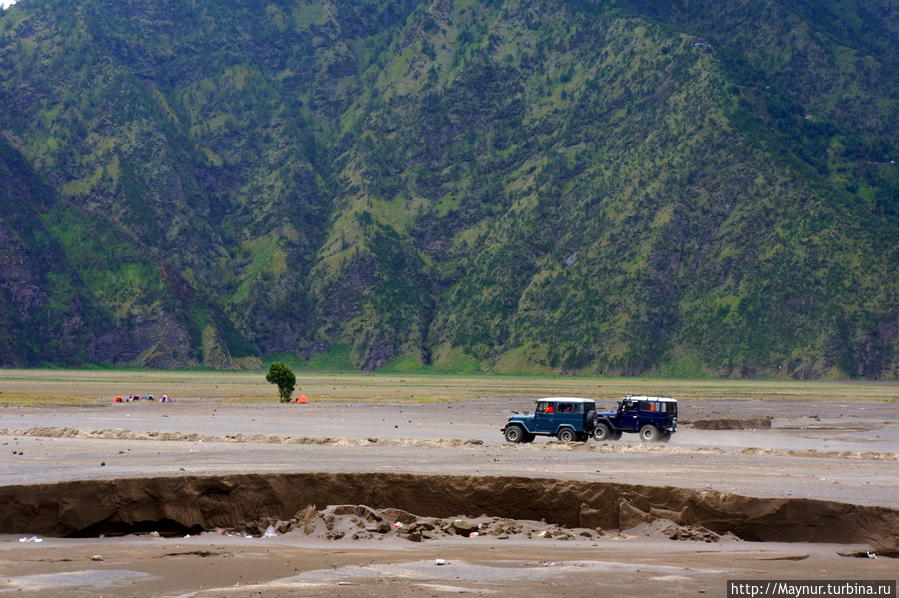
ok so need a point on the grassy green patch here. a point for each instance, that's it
(684, 367)
(410, 362)
(336, 359)
(454, 360)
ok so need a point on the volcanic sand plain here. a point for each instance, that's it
(826, 441)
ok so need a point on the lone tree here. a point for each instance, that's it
(280, 374)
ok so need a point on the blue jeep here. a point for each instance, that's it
(654, 418)
(566, 418)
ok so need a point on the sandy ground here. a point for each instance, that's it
(841, 451)
(286, 566)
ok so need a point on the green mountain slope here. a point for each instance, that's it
(613, 187)
(42, 305)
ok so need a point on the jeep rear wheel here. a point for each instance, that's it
(566, 435)
(649, 433)
(602, 432)
(514, 434)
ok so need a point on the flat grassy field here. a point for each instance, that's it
(87, 387)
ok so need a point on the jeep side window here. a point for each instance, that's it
(629, 406)
(566, 408)
(544, 408)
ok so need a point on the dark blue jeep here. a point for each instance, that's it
(654, 418)
(566, 418)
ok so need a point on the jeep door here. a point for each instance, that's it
(544, 417)
(628, 416)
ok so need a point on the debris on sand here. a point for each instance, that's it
(673, 531)
(872, 554)
(360, 522)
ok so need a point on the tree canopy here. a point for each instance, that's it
(281, 375)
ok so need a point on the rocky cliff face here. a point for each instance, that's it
(615, 187)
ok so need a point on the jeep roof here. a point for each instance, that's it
(567, 399)
(647, 398)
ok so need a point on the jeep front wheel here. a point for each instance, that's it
(514, 434)
(649, 433)
(602, 432)
(566, 435)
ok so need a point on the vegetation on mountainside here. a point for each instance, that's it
(516, 186)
